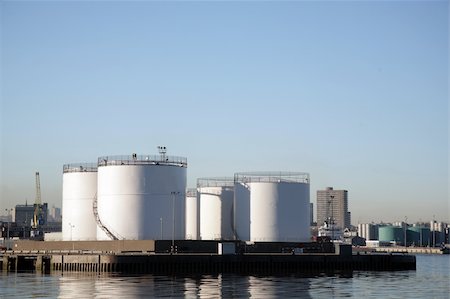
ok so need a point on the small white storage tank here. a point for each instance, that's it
(141, 197)
(79, 190)
(279, 206)
(216, 208)
(192, 215)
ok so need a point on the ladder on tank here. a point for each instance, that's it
(99, 222)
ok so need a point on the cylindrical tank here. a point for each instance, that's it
(141, 197)
(279, 206)
(192, 215)
(422, 235)
(79, 190)
(391, 234)
(216, 208)
(241, 211)
(412, 237)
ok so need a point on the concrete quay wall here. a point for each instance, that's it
(412, 250)
(205, 263)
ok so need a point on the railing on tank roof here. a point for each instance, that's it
(215, 182)
(80, 167)
(142, 160)
(272, 177)
(191, 192)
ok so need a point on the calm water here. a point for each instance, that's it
(431, 280)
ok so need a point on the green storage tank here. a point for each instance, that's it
(391, 234)
(421, 236)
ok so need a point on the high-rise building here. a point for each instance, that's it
(311, 213)
(332, 205)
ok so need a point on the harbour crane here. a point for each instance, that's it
(37, 203)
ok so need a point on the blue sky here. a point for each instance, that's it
(355, 93)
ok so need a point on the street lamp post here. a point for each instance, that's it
(161, 222)
(7, 233)
(173, 193)
(7, 229)
(433, 232)
(406, 225)
(71, 227)
(331, 219)
(421, 243)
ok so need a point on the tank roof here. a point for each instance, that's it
(272, 177)
(80, 167)
(191, 192)
(142, 160)
(215, 182)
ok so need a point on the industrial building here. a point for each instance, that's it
(368, 231)
(24, 214)
(439, 232)
(332, 206)
(27, 221)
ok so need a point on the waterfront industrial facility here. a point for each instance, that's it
(140, 204)
(143, 197)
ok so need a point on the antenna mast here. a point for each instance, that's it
(162, 151)
(38, 189)
(37, 202)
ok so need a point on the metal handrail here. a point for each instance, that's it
(191, 192)
(80, 167)
(142, 160)
(272, 177)
(215, 182)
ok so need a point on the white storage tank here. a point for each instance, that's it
(216, 208)
(241, 211)
(279, 206)
(79, 190)
(141, 197)
(192, 215)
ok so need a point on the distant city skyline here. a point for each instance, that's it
(353, 93)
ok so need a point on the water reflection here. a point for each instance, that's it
(73, 285)
(431, 280)
(26, 285)
(279, 287)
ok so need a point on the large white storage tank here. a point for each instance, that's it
(79, 190)
(216, 208)
(192, 215)
(278, 206)
(141, 197)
